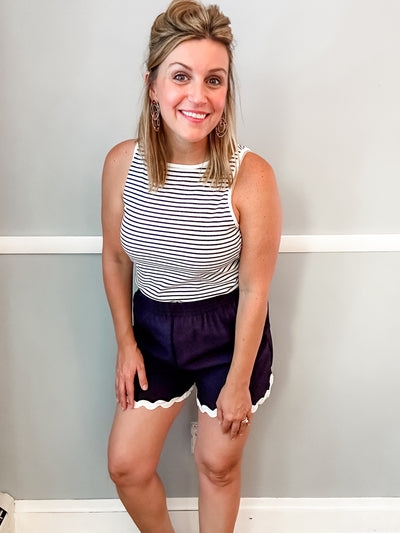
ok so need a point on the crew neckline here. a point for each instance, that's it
(182, 165)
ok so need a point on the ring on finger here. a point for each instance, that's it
(245, 421)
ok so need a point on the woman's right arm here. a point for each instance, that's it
(117, 274)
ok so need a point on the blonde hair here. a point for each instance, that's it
(182, 21)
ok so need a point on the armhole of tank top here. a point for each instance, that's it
(231, 188)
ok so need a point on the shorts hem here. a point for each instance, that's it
(204, 409)
(213, 412)
(266, 395)
(162, 403)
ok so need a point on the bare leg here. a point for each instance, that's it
(218, 459)
(135, 445)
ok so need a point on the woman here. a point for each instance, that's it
(199, 215)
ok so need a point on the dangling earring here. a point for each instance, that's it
(222, 127)
(155, 115)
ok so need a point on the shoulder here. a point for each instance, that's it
(256, 200)
(121, 154)
(255, 192)
(255, 176)
(116, 166)
(254, 168)
(115, 171)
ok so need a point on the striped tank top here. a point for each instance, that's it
(183, 238)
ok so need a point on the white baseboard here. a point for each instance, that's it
(256, 515)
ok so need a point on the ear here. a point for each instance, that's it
(152, 93)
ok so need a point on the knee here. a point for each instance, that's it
(129, 470)
(219, 472)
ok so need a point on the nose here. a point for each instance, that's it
(197, 93)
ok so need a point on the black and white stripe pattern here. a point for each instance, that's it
(184, 238)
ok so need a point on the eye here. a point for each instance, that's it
(180, 76)
(214, 81)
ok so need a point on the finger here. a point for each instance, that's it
(141, 373)
(116, 388)
(130, 393)
(244, 425)
(220, 415)
(226, 425)
(235, 428)
(122, 394)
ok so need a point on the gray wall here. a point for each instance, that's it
(319, 84)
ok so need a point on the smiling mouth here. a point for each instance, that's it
(191, 114)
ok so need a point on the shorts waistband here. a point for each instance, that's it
(185, 308)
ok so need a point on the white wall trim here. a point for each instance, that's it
(256, 515)
(51, 245)
(93, 506)
(191, 504)
(340, 243)
(10, 245)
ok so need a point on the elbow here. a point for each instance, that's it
(256, 294)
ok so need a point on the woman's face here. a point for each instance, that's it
(191, 87)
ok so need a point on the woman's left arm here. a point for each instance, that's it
(256, 204)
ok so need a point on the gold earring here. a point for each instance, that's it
(155, 115)
(222, 127)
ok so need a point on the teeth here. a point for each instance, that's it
(194, 115)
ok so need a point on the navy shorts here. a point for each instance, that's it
(191, 344)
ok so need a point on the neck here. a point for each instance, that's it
(186, 153)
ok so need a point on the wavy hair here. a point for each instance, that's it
(184, 20)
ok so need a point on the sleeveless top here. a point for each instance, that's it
(183, 238)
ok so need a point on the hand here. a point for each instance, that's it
(233, 407)
(129, 363)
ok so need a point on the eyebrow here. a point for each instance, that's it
(219, 69)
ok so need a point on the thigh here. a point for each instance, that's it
(137, 436)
